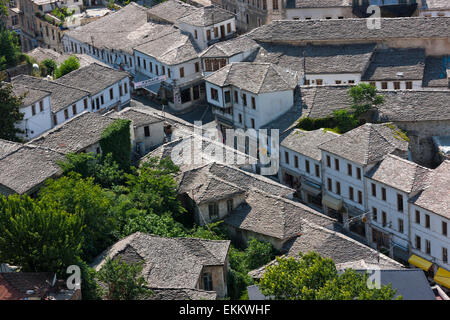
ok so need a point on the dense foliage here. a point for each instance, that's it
(116, 140)
(10, 113)
(316, 278)
(9, 48)
(47, 67)
(69, 65)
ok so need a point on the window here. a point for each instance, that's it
(286, 157)
(307, 165)
(163, 70)
(400, 225)
(418, 242)
(253, 103)
(145, 64)
(208, 35)
(229, 205)
(213, 210)
(337, 81)
(207, 282)
(383, 218)
(244, 99)
(55, 120)
(427, 246)
(374, 190)
(139, 62)
(296, 161)
(330, 184)
(338, 187)
(427, 221)
(229, 28)
(41, 106)
(328, 162)
(396, 85)
(240, 118)
(408, 85)
(317, 170)
(374, 214)
(181, 72)
(275, 4)
(444, 228)
(319, 82)
(214, 94)
(216, 32)
(384, 85)
(147, 131)
(349, 169)
(195, 34)
(120, 90)
(350, 193)
(111, 94)
(197, 67)
(66, 114)
(383, 193)
(33, 109)
(336, 164)
(151, 66)
(351, 81)
(169, 73)
(399, 203)
(360, 200)
(253, 123)
(417, 216)
(307, 82)
(85, 101)
(125, 86)
(444, 255)
(236, 99)
(74, 109)
(227, 97)
(101, 98)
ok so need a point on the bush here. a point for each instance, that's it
(47, 67)
(69, 65)
(116, 140)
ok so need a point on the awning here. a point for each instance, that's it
(311, 189)
(442, 277)
(420, 262)
(154, 88)
(332, 202)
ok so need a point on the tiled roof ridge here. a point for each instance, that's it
(54, 82)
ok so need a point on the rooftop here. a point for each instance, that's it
(40, 54)
(435, 72)
(206, 16)
(318, 4)
(436, 196)
(138, 118)
(24, 285)
(7, 147)
(62, 95)
(171, 10)
(435, 5)
(230, 47)
(76, 134)
(300, 31)
(168, 262)
(254, 77)
(182, 294)
(367, 143)
(92, 78)
(171, 49)
(396, 64)
(400, 174)
(307, 142)
(274, 216)
(30, 95)
(28, 167)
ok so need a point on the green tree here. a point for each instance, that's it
(344, 121)
(316, 278)
(10, 113)
(84, 198)
(69, 65)
(364, 98)
(47, 67)
(116, 140)
(122, 281)
(258, 253)
(38, 237)
(9, 48)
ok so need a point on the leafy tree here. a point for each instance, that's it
(344, 121)
(258, 253)
(10, 113)
(84, 198)
(47, 67)
(316, 278)
(116, 140)
(9, 48)
(122, 281)
(69, 65)
(38, 236)
(364, 98)
(162, 225)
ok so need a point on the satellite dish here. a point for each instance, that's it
(35, 66)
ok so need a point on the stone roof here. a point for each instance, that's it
(435, 5)
(62, 96)
(171, 49)
(121, 30)
(321, 101)
(366, 144)
(435, 72)
(352, 58)
(230, 47)
(307, 142)
(168, 262)
(138, 118)
(254, 77)
(171, 10)
(92, 78)
(28, 167)
(436, 196)
(24, 285)
(181, 294)
(7, 147)
(40, 54)
(396, 64)
(30, 95)
(206, 188)
(274, 216)
(400, 174)
(206, 16)
(76, 134)
(300, 31)
(321, 3)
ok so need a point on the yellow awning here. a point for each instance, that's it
(420, 262)
(332, 202)
(442, 277)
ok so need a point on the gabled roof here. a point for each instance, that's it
(274, 216)
(436, 196)
(206, 16)
(400, 174)
(41, 54)
(28, 167)
(253, 77)
(307, 142)
(30, 95)
(75, 134)
(171, 10)
(62, 96)
(366, 144)
(171, 49)
(230, 47)
(396, 64)
(168, 262)
(7, 147)
(138, 117)
(92, 78)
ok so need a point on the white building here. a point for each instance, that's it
(36, 111)
(434, 8)
(313, 10)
